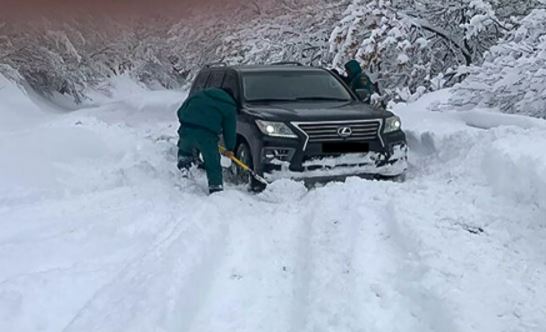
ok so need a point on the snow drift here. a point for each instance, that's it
(505, 150)
(99, 232)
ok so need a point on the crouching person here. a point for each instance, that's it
(203, 117)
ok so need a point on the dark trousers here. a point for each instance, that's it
(206, 143)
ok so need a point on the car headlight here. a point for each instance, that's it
(392, 124)
(275, 129)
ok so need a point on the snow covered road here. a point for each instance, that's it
(99, 233)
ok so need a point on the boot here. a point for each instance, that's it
(215, 189)
(184, 165)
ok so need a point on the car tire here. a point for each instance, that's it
(243, 153)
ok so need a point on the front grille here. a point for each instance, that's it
(330, 131)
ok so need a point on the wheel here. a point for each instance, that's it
(243, 153)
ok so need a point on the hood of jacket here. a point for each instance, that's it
(219, 95)
(353, 69)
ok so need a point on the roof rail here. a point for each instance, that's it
(216, 64)
(289, 63)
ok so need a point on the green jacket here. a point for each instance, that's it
(213, 110)
(357, 79)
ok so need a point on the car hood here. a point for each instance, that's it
(322, 111)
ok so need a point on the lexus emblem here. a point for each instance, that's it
(344, 132)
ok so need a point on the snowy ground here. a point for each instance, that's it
(99, 233)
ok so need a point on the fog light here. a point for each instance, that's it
(269, 155)
(277, 154)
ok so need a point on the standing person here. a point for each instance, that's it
(358, 80)
(203, 117)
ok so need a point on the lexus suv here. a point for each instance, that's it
(305, 123)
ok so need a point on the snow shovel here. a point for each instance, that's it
(245, 168)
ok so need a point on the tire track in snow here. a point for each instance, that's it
(428, 310)
(252, 289)
(302, 273)
(323, 289)
(359, 271)
(155, 291)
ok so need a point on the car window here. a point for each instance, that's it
(231, 83)
(200, 82)
(216, 79)
(293, 85)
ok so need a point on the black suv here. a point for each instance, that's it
(305, 122)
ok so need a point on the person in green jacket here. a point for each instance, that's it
(203, 117)
(358, 80)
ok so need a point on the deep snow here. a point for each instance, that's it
(99, 232)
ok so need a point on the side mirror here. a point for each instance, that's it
(363, 95)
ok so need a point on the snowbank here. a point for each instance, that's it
(45, 153)
(17, 110)
(516, 165)
(117, 88)
(508, 151)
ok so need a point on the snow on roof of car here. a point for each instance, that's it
(269, 68)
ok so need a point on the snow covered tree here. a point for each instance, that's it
(284, 35)
(393, 50)
(471, 26)
(408, 46)
(285, 31)
(508, 9)
(513, 75)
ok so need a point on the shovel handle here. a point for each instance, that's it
(245, 167)
(240, 164)
(235, 160)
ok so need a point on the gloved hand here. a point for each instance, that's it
(228, 154)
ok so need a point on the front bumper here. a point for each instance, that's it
(292, 158)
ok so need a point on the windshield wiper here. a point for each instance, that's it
(319, 98)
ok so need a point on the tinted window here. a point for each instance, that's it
(216, 79)
(200, 81)
(231, 83)
(293, 85)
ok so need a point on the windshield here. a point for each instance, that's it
(293, 86)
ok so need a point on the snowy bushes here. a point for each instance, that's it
(281, 32)
(392, 50)
(279, 38)
(49, 59)
(408, 49)
(513, 76)
(69, 57)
